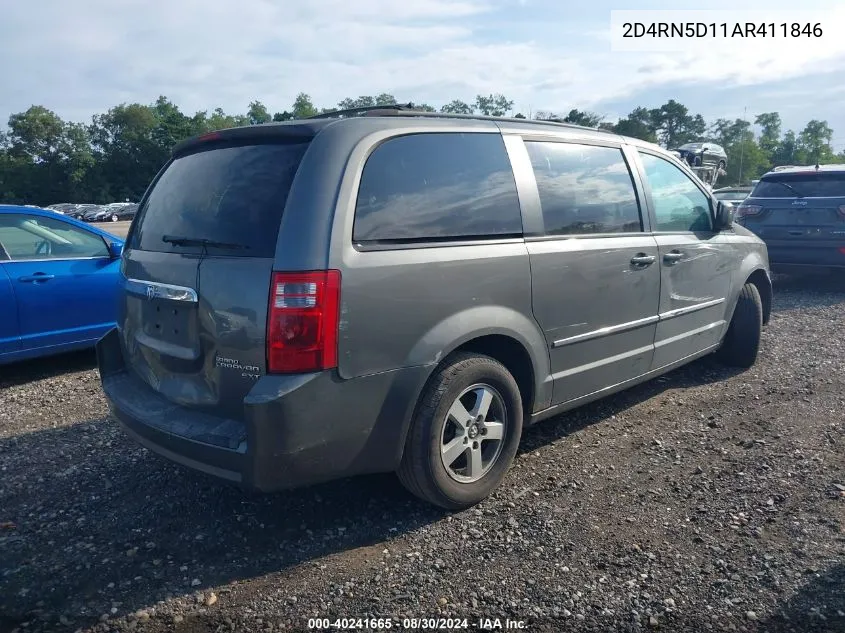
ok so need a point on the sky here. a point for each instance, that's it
(80, 58)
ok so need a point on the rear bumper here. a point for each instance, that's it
(296, 430)
(806, 254)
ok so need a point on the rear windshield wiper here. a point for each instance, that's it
(195, 241)
(790, 187)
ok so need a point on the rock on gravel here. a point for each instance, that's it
(707, 500)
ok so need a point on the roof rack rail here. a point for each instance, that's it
(390, 107)
(409, 109)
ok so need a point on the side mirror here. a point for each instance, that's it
(725, 213)
(115, 249)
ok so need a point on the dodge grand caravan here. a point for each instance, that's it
(403, 291)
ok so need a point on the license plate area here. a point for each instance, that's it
(169, 321)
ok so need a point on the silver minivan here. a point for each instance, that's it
(405, 291)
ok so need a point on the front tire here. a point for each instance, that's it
(742, 342)
(722, 165)
(464, 434)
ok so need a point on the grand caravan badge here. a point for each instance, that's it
(247, 371)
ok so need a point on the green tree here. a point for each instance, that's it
(385, 99)
(303, 107)
(219, 120)
(675, 125)
(815, 140)
(171, 125)
(127, 145)
(587, 119)
(770, 125)
(457, 106)
(747, 160)
(361, 102)
(726, 132)
(639, 124)
(493, 105)
(258, 114)
(788, 152)
(35, 134)
(43, 158)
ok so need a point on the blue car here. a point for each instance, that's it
(58, 283)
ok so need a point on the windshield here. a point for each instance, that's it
(809, 185)
(228, 195)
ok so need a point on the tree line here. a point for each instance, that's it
(46, 160)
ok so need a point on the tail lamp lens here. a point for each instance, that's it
(303, 321)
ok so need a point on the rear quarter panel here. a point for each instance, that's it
(751, 255)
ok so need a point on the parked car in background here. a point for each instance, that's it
(800, 213)
(98, 213)
(78, 211)
(58, 283)
(63, 207)
(699, 154)
(120, 211)
(112, 212)
(277, 326)
(126, 212)
(732, 194)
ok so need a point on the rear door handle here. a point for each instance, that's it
(643, 260)
(673, 257)
(36, 278)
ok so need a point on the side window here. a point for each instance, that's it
(33, 237)
(437, 186)
(584, 189)
(679, 205)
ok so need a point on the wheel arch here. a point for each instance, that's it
(514, 340)
(761, 280)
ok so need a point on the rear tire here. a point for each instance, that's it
(452, 426)
(114, 218)
(742, 342)
(722, 164)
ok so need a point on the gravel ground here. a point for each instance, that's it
(705, 500)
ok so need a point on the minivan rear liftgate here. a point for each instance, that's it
(191, 340)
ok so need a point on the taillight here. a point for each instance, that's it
(842, 210)
(746, 210)
(302, 321)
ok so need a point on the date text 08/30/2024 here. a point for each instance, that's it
(416, 624)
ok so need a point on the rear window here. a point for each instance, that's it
(815, 185)
(437, 186)
(234, 195)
